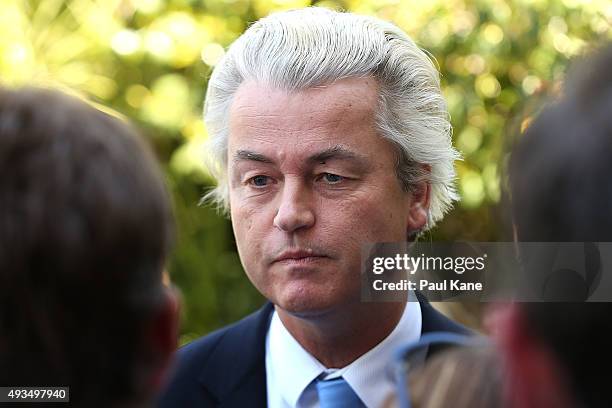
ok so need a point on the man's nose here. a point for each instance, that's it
(295, 210)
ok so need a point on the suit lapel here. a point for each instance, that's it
(235, 372)
(434, 321)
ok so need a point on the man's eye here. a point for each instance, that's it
(259, 181)
(332, 178)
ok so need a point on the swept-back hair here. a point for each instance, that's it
(309, 47)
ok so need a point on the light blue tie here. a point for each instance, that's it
(337, 393)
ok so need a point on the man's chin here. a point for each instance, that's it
(313, 299)
(304, 306)
(311, 305)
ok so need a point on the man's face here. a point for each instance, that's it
(311, 181)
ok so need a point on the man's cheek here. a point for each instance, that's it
(358, 217)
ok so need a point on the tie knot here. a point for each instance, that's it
(337, 393)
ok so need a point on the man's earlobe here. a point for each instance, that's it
(418, 213)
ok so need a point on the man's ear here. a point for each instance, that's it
(418, 211)
(162, 336)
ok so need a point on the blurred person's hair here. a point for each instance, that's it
(561, 167)
(462, 377)
(456, 376)
(85, 228)
(560, 174)
(313, 47)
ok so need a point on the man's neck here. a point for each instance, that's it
(338, 338)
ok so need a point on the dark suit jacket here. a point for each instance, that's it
(227, 368)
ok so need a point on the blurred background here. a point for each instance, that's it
(149, 61)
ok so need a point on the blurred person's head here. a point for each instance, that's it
(561, 192)
(459, 376)
(559, 170)
(463, 377)
(328, 130)
(85, 229)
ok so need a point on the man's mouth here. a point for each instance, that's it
(299, 256)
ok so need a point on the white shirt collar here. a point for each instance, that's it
(291, 370)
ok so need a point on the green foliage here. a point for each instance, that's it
(149, 60)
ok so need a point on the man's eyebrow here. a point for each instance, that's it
(249, 155)
(338, 152)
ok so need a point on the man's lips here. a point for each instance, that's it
(299, 256)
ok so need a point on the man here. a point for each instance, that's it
(85, 227)
(329, 131)
(557, 353)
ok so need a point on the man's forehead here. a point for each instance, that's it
(347, 98)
